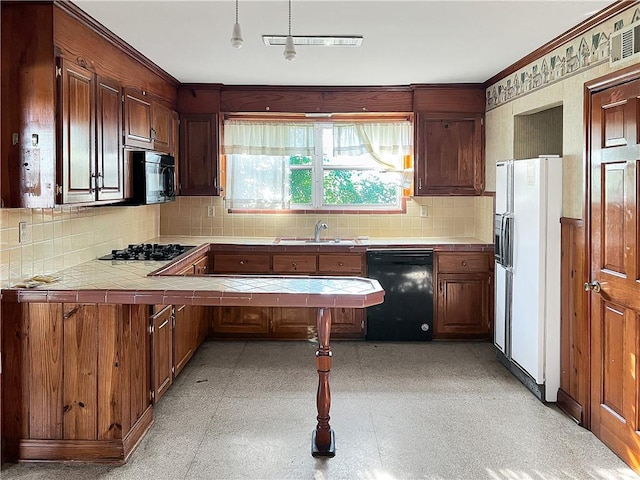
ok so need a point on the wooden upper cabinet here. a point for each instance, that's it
(137, 119)
(110, 159)
(175, 137)
(161, 128)
(449, 155)
(91, 166)
(148, 124)
(199, 154)
(77, 172)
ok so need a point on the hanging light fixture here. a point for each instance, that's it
(236, 36)
(289, 49)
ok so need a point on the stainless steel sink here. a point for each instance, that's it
(311, 241)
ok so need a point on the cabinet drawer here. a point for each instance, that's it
(463, 262)
(336, 263)
(294, 264)
(240, 263)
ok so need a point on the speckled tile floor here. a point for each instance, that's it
(436, 411)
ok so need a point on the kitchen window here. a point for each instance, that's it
(303, 165)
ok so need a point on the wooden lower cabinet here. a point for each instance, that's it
(463, 293)
(162, 352)
(347, 321)
(241, 320)
(184, 338)
(462, 305)
(299, 322)
(84, 376)
(80, 379)
(285, 322)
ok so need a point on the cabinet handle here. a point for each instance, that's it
(101, 178)
(440, 286)
(419, 183)
(92, 183)
(153, 133)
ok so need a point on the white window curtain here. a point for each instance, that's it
(257, 158)
(386, 142)
(267, 138)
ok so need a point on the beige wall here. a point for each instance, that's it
(567, 92)
(66, 236)
(446, 217)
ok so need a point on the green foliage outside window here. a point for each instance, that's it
(341, 186)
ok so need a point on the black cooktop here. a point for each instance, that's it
(148, 251)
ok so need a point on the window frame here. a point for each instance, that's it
(316, 164)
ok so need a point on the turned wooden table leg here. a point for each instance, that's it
(323, 440)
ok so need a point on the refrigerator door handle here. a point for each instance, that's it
(503, 240)
(509, 242)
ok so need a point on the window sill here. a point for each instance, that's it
(331, 210)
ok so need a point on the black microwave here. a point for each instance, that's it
(154, 178)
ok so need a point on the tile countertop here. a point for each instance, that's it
(445, 243)
(124, 281)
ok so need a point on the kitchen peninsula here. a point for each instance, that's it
(90, 354)
(79, 357)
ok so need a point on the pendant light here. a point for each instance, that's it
(236, 36)
(289, 49)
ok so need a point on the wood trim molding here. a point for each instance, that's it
(88, 21)
(603, 15)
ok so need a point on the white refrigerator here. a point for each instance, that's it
(527, 273)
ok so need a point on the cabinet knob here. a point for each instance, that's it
(242, 262)
(340, 264)
(464, 263)
(294, 265)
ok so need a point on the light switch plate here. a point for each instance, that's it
(423, 211)
(211, 212)
(23, 234)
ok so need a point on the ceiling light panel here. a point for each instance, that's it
(315, 40)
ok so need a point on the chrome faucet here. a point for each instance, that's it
(320, 225)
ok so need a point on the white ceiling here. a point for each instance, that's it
(404, 41)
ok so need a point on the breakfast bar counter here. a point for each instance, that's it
(79, 360)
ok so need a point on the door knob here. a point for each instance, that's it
(593, 286)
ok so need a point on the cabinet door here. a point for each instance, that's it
(199, 155)
(449, 157)
(462, 309)
(77, 127)
(183, 338)
(201, 266)
(161, 127)
(137, 119)
(241, 320)
(162, 352)
(347, 321)
(110, 159)
(298, 322)
(174, 145)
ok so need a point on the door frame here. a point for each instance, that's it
(592, 87)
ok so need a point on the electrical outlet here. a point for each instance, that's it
(211, 211)
(423, 211)
(23, 234)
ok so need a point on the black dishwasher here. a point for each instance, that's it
(407, 278)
